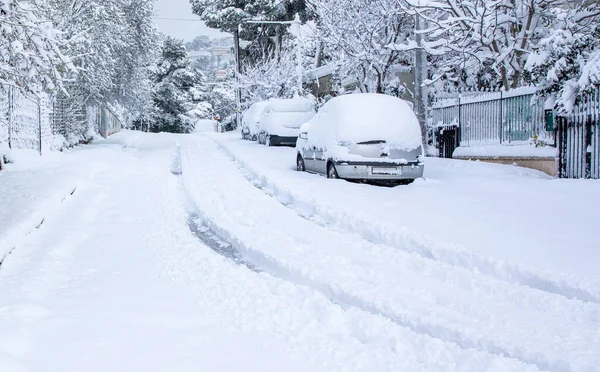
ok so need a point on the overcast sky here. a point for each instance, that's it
(181, 29)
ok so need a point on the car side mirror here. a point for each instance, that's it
(303, 136)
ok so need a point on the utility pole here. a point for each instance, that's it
(238, 71)
(296, 23)
(420, 71)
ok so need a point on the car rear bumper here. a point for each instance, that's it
(368, 171)
(283, 140)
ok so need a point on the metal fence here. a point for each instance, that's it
(47, 122)
(579, 139)
(518, 117)
(511, 117)
(24, 119)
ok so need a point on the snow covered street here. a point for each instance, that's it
(202, 252)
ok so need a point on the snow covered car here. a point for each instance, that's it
(280, 120)
(251, 119)
(363, 137)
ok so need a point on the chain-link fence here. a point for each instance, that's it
(47, 122)
(24, 119)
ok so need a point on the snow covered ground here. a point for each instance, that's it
(507, 221)
(161, 252)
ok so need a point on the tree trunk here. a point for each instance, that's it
(319, 56)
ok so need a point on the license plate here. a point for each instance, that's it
(385, 170)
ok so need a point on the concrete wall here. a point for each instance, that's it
(547, 165)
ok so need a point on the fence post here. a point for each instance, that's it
(460, 127)
(501, 126)
(10, 115)
(39, 102)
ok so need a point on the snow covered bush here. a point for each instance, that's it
(566, 62)
(222, 98)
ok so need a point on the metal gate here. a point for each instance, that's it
(579, 139)
(447, 140)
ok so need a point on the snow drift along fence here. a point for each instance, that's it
(511, 117)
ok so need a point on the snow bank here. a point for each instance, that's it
(518, 151)
(205, 126)
(368, 117)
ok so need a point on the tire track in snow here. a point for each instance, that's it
(198, 225)
(228, 245)
(37, 222)
(425, 247)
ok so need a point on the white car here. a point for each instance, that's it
(363, 137)
(250, 121)
(277, 121)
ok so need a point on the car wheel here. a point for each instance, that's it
(331, 171)
(300, 166)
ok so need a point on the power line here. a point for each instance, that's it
(179, 19)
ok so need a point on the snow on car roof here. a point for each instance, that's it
(254, 112)
(365, 117)
(290, 105)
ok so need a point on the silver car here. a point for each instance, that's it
(363, 137)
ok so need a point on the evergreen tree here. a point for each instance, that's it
(264, 39)
(179, 91)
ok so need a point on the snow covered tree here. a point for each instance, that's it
(566, 62)
(30, 55)
(137, 60)
(265, 39)
(179, 91)
(110, 41)
(113, 45)
(228, 14)
(270, 78)
(357, 32)
(484, 44)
